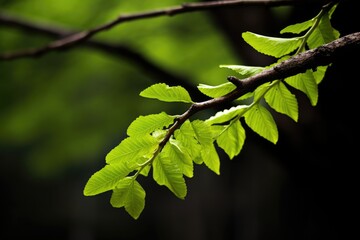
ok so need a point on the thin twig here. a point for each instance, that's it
(76, 38)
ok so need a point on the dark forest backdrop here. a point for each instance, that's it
(61, 113)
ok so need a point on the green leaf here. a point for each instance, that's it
(319, 73)
(298, 27)
(147, 124)
(227, 115)
(167, 173)
(178, 154)
(106, 179)
(211, 158)
(244, 71)
(129, 194)
(323, 34)
(132, 148)
(260, 91)
(260, 120)
(165, 93)
(216, 91)
(282, 100)
(306, 83)
(276, 47)
(186, 135)
(202, 132)
(232, 139)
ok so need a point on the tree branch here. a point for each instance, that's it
(77, 38)
(321, 56)
(117, 50)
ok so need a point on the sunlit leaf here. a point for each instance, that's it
(165, 93)
(298, 27)
(132, 148)
(147, 124)
(216, 91)
(306, 83)
(260, 120)
(282, 100)
(186, 135)
(211, 158)
(276, 47)
(232, 139)
(202, 132)
(175, 151)
(324, 33)
(167, 173)
(106, 179)
(129, 194)
(319, 73)
(227, 115)
(244, 71)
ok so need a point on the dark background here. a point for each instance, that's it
(63, 112)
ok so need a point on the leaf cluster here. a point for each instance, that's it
(168, 146)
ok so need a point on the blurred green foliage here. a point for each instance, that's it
(66, 110)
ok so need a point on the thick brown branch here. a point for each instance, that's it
(320, 56)
(77, 38)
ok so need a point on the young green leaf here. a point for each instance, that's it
(147, 124)
(276, 47)
(298, 27)
(232, 138)
(132, 148)
(282, 100)
(129, 194)
(175, 151)
(244, 71)
(216, 91)
(185, 134)
(324, 33)
(260, 120)
(106, 179)
(211, 158)
(306, 83)
(202, 132)
(165, 93)
(319, 73)
(260, 91)
(167, 173)
(227, 115)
